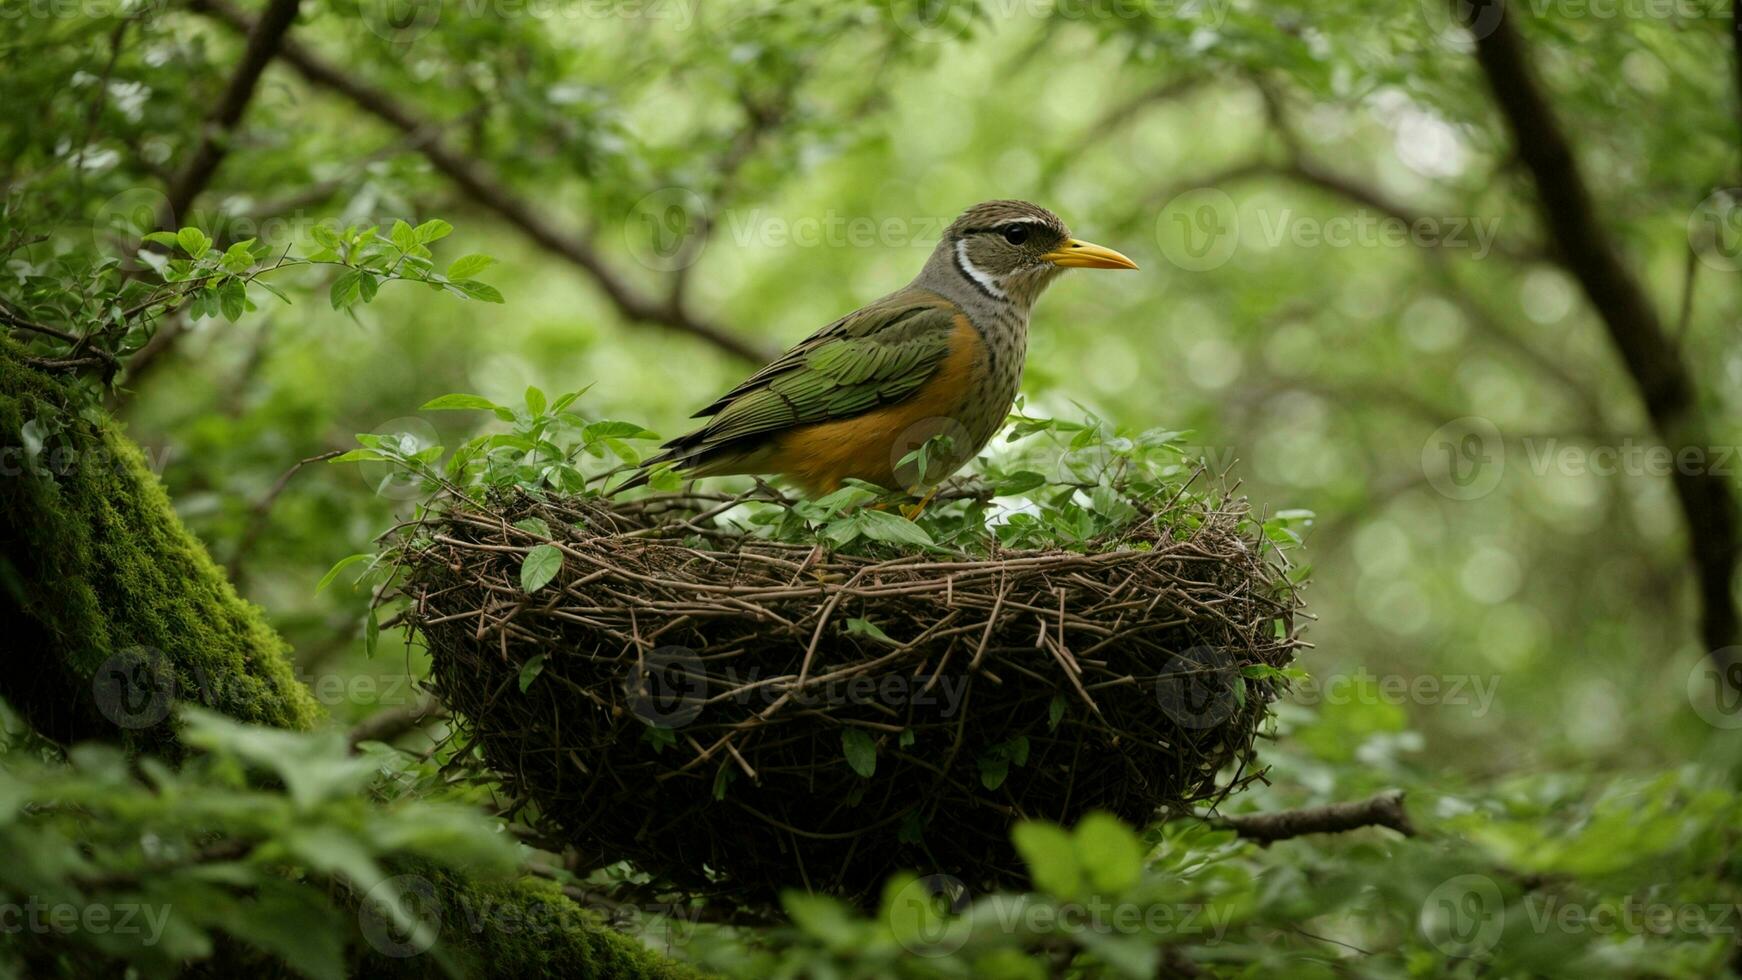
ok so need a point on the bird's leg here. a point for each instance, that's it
(912, 512)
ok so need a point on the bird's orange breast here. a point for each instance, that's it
(870, 446)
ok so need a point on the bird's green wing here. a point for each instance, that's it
(876, 356)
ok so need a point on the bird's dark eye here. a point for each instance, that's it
(1016, 234)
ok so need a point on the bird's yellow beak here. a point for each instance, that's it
(1087, 255)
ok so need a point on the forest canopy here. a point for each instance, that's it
(1413, 436)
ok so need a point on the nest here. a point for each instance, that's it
(741, 715)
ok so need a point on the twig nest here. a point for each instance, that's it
(743, 715)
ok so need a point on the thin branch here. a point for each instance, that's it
(258, 513)
(486, 190)
(1116, 118)
(385, 726)
(264, 38)
(1647, 351)
(1383, 810)
(95, 355)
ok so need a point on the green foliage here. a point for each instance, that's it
(341, 871)
(1316, 373)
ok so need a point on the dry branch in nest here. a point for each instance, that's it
(745, 715)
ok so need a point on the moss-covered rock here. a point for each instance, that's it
(112, 608)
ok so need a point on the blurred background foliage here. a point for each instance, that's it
(762, 167)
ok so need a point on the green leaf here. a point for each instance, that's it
(880, 525)
(1055, 712)
(722, 779)
(167, 238)
(404, 238)
(540, 566)
(346, 289)
(433, 230)
(1110, 853)
(479, 291)
(467, 266)
(530, 670)
(822, 918)
(1051, 856)
(535, 525)
(535, 401)
(861, 751)
(371, 633)
(457, 402)
(868, 629)
(1021, 481)
(233, 297)
(193, 241)
(339, 566)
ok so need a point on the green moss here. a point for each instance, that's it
(525, 928)
(111, 605)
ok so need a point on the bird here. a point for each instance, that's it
(904, 391)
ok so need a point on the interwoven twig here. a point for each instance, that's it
(696, 685)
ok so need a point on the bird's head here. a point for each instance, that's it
(1010, 250)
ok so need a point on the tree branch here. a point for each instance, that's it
(1384, 810)
(483, 188)
(262, 507)
(385, 726)
(1583, 246)
(264, 39)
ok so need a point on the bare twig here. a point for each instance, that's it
(1383, 810)
(258, 513)
(385, 726)
(485, 189)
